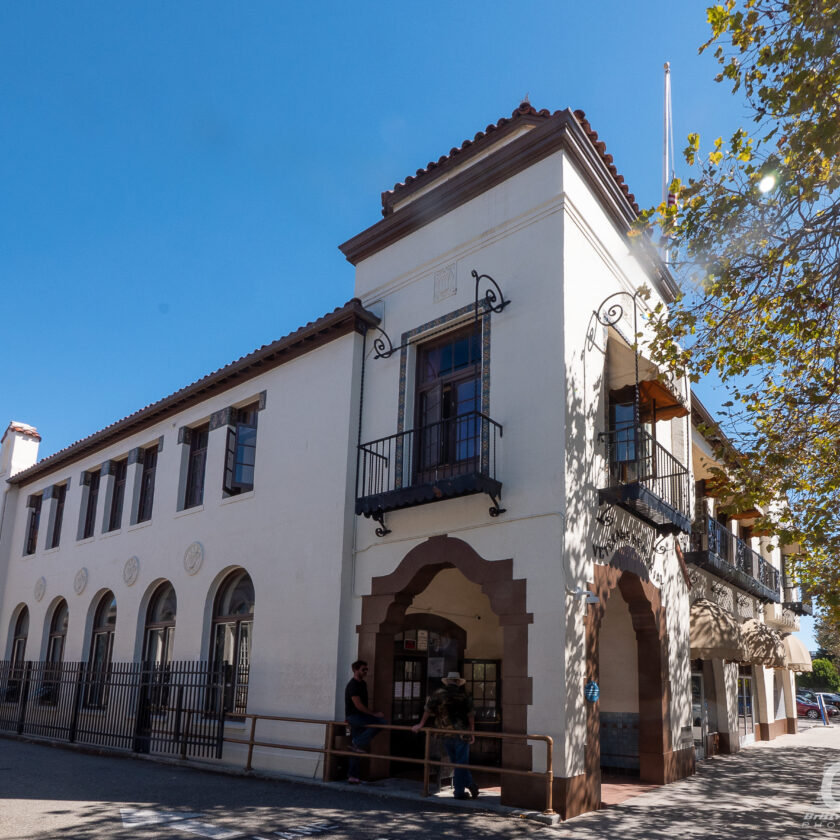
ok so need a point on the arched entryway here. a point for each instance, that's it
(387, 612)
(656, 759)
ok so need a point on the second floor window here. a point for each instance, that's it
(448, 401)
(147, 485)
(90, 507)
(195, 466)
(241, 450)
(119, 469)
(33, 524)
(60, 495)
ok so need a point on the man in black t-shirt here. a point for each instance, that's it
(359, 716)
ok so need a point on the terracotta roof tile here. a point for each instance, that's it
(523, 114)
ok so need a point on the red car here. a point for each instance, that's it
(807, 709)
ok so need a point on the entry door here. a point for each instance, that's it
(746, 723)
(699, 716)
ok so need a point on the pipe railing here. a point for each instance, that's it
(328, 751)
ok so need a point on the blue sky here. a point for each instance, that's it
(177, 176)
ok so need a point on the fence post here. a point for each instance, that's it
(77, 702)
(251, 743)
(328, 759)
(426, 769)
(185, 738)
(24, 693)
(549, 776)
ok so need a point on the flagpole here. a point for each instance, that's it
(666, 135)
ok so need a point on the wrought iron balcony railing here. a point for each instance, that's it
(452, 457)
(717, 549)
(646, 479)
(796, 601)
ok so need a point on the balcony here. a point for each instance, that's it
(794, 601)
(646, 480)
(720, 552)
(443, 460)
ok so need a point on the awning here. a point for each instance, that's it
(656, 401)
(797, 657)
(714, 632)
(763, 645)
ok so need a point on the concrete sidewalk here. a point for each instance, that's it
(772, 789)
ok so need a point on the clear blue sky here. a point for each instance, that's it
(177, 176)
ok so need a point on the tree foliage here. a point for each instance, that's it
(828, 638)
(823, 677)
(757, 233)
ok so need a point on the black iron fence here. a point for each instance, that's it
(457, 446)
(176, 708)
(635, 457)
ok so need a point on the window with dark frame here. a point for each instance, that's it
(60, 495)
(197, 461)
(241, 451)
(448, 404)
(120, 469)
(157, 645)
(230, 651)
(147, 485)
(51, 686)
(92, 499)
(33, 524)
(101, 648)
(16, 669)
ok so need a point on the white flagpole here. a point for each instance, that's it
(667, 135)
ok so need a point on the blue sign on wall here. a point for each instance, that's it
(591, 692)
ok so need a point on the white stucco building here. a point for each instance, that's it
(430, 478)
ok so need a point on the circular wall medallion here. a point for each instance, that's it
(193, 558)
(131, 570)
(40, 588)
(80, 581)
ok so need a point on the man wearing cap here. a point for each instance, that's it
(452, 708)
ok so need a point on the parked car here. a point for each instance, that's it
(812, 710)
(807, 696)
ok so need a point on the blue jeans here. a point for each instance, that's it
(458, 751)
(361, 734)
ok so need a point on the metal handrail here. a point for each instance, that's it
(328, 751)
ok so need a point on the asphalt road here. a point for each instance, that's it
(47, 792)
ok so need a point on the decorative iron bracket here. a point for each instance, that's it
(495, 510)
(492, 301)
(379, 516)
(383, 346)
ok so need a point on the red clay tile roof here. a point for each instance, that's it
(21, 428)
(522, 115)
(341, 320)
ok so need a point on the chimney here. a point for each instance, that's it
(18, 448)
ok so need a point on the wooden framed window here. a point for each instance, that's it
(92, 478)
(33, 523)
(147, 485)
(119, 469)
(196, 464)
(448, 403)
(241, 451)
(60, 495)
